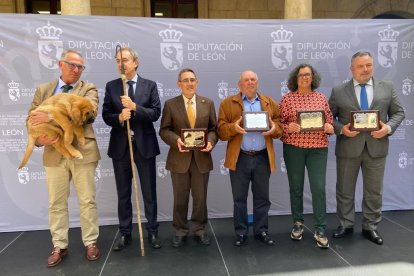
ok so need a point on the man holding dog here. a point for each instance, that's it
(142, 107)
(60, 170)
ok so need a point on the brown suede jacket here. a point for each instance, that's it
(230, 111)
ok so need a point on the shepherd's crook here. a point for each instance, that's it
(131, 154)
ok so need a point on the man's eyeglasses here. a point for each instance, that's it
(73, 66)
(306, 75)
(188, 80)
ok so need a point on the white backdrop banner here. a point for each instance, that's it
(218, 50)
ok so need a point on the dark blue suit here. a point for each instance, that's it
(145, 148)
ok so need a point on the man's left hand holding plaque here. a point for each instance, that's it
(256, 121)
(194, 138)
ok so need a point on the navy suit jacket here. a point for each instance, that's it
(141, 122)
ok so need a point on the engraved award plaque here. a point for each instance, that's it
(367, 120)
(256, 121)
(194, 138)
(311, 120)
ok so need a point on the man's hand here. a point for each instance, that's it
(125, 115)
(38, 117)
(208, 148)
(237, 126)
(128, 103)
(271, 130)
(383, 131)
(347, 132)
(179, 144)
(293, 128)
(46, 141)
(328, 128)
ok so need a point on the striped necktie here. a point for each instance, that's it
(66, 88)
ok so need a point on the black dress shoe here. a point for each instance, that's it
(265, 238)
(342, 232)
(203, 239)
(121, 242)
(240, 240)
(154, 240)
(178, 241)
(373, 236)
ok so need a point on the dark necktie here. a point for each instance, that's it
(131, 89)
(66, 88)
(364, 98)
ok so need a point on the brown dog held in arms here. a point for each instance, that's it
(69, 112)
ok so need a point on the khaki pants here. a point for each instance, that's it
(58, 182)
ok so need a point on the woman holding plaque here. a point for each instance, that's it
(307, 122)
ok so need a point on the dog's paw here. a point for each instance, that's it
(81, 141)
(77, 155)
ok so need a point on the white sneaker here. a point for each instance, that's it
(321, 240)
(297, 231)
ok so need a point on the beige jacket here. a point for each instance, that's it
(90, 151)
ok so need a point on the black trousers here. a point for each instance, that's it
(147, 181)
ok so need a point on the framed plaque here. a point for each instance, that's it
(311, 120)
(256, 121)
(367, 120)
(194, 138)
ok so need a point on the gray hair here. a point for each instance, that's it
(241, 75)
(360, 54)
(132, 52)
(68, 51)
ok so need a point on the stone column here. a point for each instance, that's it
(75, 7)
(298, 9)
(202, 8)
(147, 8)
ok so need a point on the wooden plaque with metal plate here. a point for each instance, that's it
(365, 120)
(194, 138)
(256, 121)
(313, 120)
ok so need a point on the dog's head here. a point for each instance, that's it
(87, 112)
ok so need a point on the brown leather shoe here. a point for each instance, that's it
(92, 252)
(56, 256)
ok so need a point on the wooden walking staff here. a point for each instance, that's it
(131, 154)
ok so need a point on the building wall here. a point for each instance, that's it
(7, 6)
(245, 9)
(117, 7)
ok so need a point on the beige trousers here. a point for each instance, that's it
(58, 182)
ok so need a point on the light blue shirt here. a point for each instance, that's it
(252, 140)
(61, 83)
(135, 80)
(368, 87)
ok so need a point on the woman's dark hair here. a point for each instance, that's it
(292, 82)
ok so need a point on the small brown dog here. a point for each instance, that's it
(69, 112)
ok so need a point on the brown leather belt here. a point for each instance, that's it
(253, 152)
